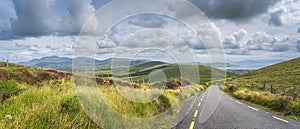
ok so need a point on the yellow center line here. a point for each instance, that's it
(277, 118)
(253, 108)
(196, 113)
(192, 125)
(199, 104)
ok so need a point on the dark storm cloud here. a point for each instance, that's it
(234, 9)
(276, 18)
(36, 18)
(33, 18)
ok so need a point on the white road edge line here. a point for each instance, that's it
(280, 119)
(238, 102)
(255, 109)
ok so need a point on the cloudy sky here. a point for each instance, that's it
(248, 30)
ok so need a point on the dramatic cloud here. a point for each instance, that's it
(52, 47)
(148, 21)
(79, 11)
(298, 45)
(241, 51)
(276, 18)
(106, 42)
(286, 12)
(233, 41)
(33, 18)
(7, 13)
(149, 39)
(34, 48)
(274, 43)
(234, 9)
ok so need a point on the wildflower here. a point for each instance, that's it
(8, 117)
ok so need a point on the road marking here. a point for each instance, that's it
(253, 108)
(196, 113)
(277, 118)
(192, 125)
(238, 102)
(199, 104)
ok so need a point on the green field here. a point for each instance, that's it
(195, 73)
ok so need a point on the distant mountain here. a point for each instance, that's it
(283, 74)
(65, 63)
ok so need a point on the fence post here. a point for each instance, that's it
(7, 63)
(271, 89)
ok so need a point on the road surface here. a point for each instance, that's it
(214, 109)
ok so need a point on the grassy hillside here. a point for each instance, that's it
(282, 74)
(140, 73)
(276, 87)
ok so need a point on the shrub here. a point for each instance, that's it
(70, 105)
(8, 89)
(172, 84)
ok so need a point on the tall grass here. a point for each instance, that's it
(276, 102)
(46, 107)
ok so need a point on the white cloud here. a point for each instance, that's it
(265, 42)
(286, 12)
(233, 41)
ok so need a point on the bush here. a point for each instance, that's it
(172, 84)
(70, 105)
(8, 89)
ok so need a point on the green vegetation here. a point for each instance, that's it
(140, 73)
(39, 98)
(276, 102)
(275, 87)
(46, 98)
(282, 74)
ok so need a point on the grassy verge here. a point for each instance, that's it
(55, 105)
(46, 107)
(284, 105)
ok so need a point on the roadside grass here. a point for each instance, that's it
(284, 105)
(146, 109)
(46, 107)
(56, 105)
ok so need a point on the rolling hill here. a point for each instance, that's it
(281, 74)
(141, 72)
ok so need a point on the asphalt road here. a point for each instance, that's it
(214, 109)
